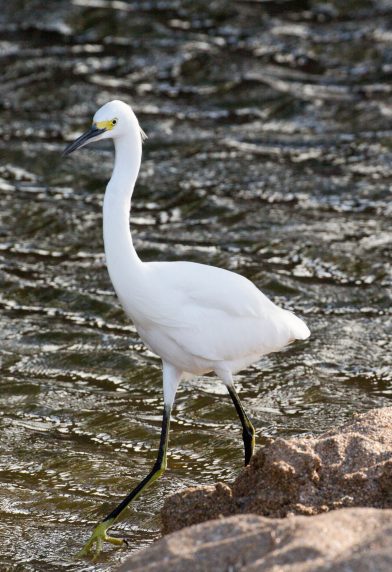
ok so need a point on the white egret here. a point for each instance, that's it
(197, 318)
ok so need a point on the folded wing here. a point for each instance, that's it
(218, 315)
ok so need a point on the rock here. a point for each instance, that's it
(349, 540)
(349, 466)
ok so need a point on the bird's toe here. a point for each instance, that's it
(96, 541)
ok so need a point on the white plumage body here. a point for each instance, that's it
(201, 318)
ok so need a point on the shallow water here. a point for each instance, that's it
(269, 153)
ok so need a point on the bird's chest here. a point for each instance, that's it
(161, 343)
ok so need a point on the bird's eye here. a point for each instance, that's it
(114, 122)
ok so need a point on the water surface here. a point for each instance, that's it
(269, 153)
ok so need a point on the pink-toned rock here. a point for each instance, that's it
(349, 540)
(349, 466)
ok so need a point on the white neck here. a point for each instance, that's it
(123, 263)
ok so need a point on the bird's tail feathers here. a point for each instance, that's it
(298, 329)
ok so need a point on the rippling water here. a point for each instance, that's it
(269, 153)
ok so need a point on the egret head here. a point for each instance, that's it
(111, 121)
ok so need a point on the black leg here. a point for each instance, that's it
(248, 431)
(99, 535)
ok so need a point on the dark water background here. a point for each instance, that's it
(269, 153)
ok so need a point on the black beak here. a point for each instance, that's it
(83, 139)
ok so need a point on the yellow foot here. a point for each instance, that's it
(97, 538)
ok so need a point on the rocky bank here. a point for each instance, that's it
(297, 478)
(346, 467)
(349, 540)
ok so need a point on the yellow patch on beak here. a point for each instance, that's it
(108, 125)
